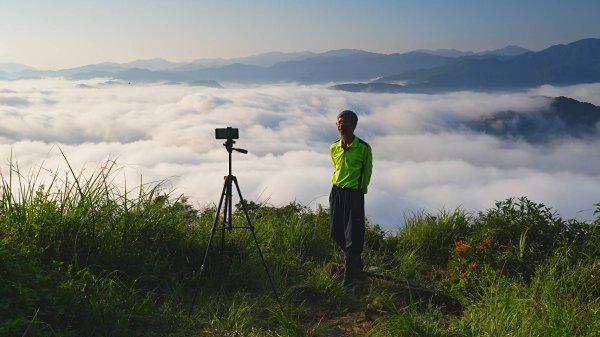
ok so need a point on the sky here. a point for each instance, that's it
(423, 160)
(67, 33)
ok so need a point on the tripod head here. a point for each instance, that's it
(229, 134)
(229, 146)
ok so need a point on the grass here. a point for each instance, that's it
(81, 256)
(561, 300)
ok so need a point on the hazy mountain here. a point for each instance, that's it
(565, 117)
(353, 66)
(5, 76)
(303, 67)
(506, 51)
(345, 65)
(233, 73)
(261, 60)
(454, 53)
(152, 64)
(88, 75)
(14, 67)
(577, 62)
(105, 67)
(11, 71)
(145, 75)
(343, 52)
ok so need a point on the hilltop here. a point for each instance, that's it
(564, 117)
(89, 259)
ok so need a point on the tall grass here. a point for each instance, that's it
(81, 255)
(430, 236)
(86, 221)
(84, 255)
(423, 244)
(562, 300)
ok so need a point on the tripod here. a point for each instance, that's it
(227, 223)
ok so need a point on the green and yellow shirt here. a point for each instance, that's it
(353, 166)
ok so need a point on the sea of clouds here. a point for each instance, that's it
(424, 160)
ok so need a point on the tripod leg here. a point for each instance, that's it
(212, 234)
(226, 221)
(245, 209)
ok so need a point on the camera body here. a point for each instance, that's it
(227, 133)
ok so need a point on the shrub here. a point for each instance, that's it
(469, 263)
(524, 234)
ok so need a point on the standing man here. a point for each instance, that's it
(353, 164)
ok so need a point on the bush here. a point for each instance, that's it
(524, 234)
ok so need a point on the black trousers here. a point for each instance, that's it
(347, 224)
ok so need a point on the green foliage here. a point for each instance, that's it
(294, 228)
(80, 256)
(24, 290)
(237, 320)
(411, 322)
(468, 267)
(87, 222)
(430, 237)
(524, 234)
(561, 300)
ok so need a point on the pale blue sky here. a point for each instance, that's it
(65, 33)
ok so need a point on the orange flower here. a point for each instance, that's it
(459, 246)
(473, 265)
(487, 241)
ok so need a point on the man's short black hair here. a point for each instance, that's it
(350, 116)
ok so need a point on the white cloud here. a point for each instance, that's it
(422, 158)
(582, 92)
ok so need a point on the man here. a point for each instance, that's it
(353, 164)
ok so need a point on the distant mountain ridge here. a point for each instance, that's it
(505, 51)
(507, 68)
(14, 67)
(574, 63)
(331, 66)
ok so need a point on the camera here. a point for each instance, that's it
(227, 133)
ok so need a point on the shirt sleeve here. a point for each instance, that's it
(368, 168)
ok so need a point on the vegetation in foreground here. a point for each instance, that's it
(81, 257)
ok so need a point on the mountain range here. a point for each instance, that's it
(301, 67)
(305, 68)
(573, 63)
(507, 68)
(506, 51)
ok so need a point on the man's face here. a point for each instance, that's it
(345, 127)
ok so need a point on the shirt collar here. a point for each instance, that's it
(354, 140)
